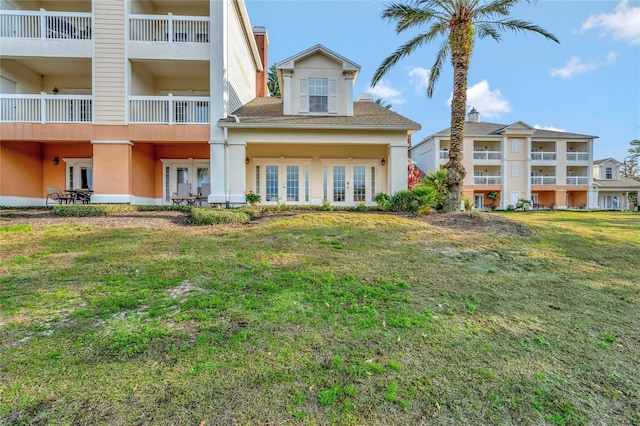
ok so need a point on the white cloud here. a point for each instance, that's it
(388, 94)
(576, 66)
(622, 24)
(419, 78)
(555, 129)
(489, 103)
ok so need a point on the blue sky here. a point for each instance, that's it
(588, 84)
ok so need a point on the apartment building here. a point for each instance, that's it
(135, 101)
(517, 161)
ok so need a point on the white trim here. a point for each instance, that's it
(111, 198)
(15, 201)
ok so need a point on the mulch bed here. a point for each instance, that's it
(177, 220)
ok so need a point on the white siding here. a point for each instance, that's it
(109, 64)
(242, 68)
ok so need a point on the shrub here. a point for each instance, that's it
(201, 216)
(78, 210)
(419, 200)
(382, 200)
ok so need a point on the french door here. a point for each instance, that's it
(183, 178)
(284, 183)
(349, 184)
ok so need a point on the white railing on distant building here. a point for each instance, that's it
(33, 24)
(444, 155)
(543, 180)
(487, 180)
(487, 155)
(168, 109)
(577, 156)
(169, 28)
(577, 180)
(44, 108)
(543, 156)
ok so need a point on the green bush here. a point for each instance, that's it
(420, 199)
(202, 216)
(78, 210)
(382, 200)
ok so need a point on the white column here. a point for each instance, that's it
(216, 171)
(527, 172)
(397, 168)
(506, 173)
(237, 173)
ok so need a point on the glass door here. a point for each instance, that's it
(348, 184)
(182, 179)
(284, 182)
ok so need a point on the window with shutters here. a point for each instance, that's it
(318, 95)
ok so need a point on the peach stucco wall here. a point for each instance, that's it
(112, 168)
(21, 169)
(143, 170)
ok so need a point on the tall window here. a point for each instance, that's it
(318, 95)
(608, 173)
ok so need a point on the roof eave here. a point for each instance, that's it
(241, 125)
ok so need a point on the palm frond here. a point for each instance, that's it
(401, 52)
(436, 69)
(485, 30)
(407, 16)
(518, 25)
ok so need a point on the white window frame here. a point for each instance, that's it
(331, 95)
(192, 164)
(77, 163)
(368, 164)
(304, 184)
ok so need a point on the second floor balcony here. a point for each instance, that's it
(543, 156)
(487, 155)
(577, 180)
(487, 180)
(169, 28)
(577, 156)
(45, 25)
(543, 180)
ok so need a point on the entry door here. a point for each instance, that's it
(286, 183)
(349, 185)
(515, 196)
(478, 201)
(184, 179)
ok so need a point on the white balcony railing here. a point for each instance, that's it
(44, 108)
(577, 180)
(487, 180)
(543, 180)
(45, 25)
(487, 155)
(543, 156)
(168, 109)
(577, 156)
(169, 28)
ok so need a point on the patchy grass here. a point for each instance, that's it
(323, 318)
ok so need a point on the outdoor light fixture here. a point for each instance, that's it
(55, 90)
(383, 162)
(56, 161)
(246, 160)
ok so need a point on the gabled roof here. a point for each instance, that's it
(347, 65)
(367, 115)
(604, 160)
(494, 129)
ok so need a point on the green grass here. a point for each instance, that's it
(323, 318)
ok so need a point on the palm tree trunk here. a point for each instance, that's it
(461, 43)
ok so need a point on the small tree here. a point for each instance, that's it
(272, 81)
(493, 196)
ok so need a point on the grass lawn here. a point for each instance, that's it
(323, 318)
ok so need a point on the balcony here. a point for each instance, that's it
(487, 155)
(577, 180)
(169, 109)
(543, 156)
(577, 156)
(543, 180)
(444, 155)
(487, 180)
(169, 28)
(43, 25)
(44, 108)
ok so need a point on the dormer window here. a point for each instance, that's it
(319, 95)
(608, 173)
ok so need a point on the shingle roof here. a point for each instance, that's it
(267, 113)
(493, 129)
(623, 182)
(604, 160)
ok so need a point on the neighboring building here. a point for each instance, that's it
(551, 168)
(612, 187)
(135, 99)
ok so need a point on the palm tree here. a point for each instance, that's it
(459, 22)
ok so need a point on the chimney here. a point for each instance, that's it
(474, 116)
(262, 41)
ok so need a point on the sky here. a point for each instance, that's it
(588, 84)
